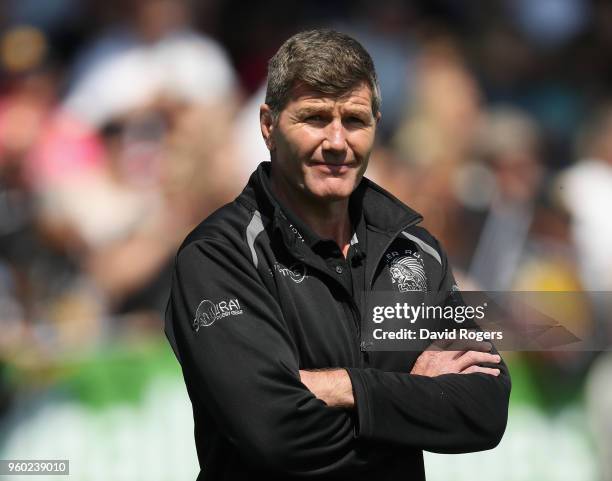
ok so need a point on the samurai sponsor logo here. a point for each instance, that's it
(208, 312)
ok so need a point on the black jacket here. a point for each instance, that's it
(251, 304)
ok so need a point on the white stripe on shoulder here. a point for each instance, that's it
(424, 245)
(254, 228)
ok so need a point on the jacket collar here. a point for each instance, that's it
(382, 212)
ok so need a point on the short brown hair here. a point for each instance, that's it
(327, 61)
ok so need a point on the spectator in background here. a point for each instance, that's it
(35, 272)
(162, 124)
(524, 243)
(248, 148)
(109, 181)
(155, 54)
(387, 30)
(434, 141)
(509, 145)
(586, 191)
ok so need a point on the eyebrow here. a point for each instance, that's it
(314, 109)
(358, 111)
(319, 109)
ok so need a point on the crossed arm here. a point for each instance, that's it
(334, 386)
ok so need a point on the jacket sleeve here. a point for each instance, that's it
(241, 367)
(451, 413)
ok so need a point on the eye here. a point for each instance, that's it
(355, 120)
(314, 118)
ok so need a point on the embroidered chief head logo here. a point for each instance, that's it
(208, 312)
(408, 273)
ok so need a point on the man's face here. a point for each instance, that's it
(320, 144)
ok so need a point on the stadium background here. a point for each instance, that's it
(123, 123)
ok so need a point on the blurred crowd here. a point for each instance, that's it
(124, 123)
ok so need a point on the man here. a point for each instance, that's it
(269, 292)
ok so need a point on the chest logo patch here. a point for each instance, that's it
(208, 312)
(297, 272)
(407, 271)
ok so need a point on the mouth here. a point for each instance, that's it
(331, 168)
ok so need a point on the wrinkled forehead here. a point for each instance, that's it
(359, 96)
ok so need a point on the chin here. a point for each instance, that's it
(332, 193)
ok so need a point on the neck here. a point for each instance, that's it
(329, 220)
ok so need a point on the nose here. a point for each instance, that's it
(335, 138)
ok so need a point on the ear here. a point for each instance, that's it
(378, 116)
(266, 123)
